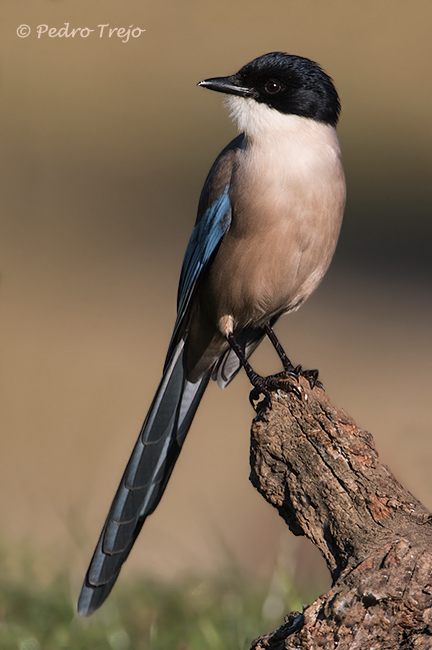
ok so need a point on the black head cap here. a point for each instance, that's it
(289, 84)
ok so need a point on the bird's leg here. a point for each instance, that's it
(288, 366)
(261, 384)
(290, 369)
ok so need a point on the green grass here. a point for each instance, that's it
(224, 612)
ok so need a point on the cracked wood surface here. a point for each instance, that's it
(323, 474)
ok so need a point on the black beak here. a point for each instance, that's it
(229, 85)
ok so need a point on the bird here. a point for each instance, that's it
(267, 226)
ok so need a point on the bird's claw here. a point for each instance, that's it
(260, 388)
(265, 386)
(310, 375)
(281, 381)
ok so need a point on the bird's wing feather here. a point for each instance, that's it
(205, 238)
(213, 220)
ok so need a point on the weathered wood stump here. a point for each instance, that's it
(322, 473)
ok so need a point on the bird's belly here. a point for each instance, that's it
(253, 293)
(255, 278)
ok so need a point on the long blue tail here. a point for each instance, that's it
(145, 477)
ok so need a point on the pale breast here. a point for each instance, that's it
(288, 197)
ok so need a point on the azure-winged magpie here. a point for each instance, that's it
(268, 221)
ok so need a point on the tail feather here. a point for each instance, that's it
(145, 477)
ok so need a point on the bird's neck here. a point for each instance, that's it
(268, 130)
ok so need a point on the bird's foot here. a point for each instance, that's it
(310, 375)
(281, 381)
(266, 385)
(260, 387)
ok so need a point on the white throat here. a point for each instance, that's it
(267, 126)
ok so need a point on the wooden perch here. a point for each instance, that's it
(322, 473)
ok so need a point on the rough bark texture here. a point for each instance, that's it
(322, 473)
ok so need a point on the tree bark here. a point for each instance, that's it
(322, 473)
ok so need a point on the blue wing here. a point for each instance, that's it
(205, 238)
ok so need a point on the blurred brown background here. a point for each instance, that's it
(104, 148)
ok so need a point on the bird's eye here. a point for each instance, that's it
(272, 87)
